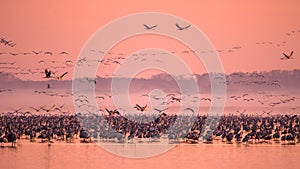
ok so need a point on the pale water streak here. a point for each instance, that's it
(89, 156)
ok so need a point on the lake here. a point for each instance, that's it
(185, 156)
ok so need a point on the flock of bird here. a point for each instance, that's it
(63, 126)
(264, 99)
(152, 27)
(15, 126)
(247, 129)
(230, 128)
(112, 58)
(7, 42)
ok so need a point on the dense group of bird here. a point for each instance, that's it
(113, 127)
(50, 123)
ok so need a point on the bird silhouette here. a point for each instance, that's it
(182, 28)
(36, 53)
(267, 112)
(49, 109)
(242, 111)
(37, 109)
(160, 110)
(47, 73)
(48, 53)
(14, 54)
(100, 97)
(190, 109)
(175, 99)
(112, 112)
(150, 27)
(63, 53)
(287, 56)
(140, 108)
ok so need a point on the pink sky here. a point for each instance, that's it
(66, 25)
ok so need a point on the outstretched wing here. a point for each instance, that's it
(146, 26)
(108, 111)
(190, 109)
(180, 28)
(34, 108)
(63, 74)
(187, 27)
(149, 27)
(285, 55)
(153, 26)
(138, 106)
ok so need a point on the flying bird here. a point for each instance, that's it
(37, 109)
(100, 97)
(267, 112)
(14, 54)
(26, 53)
(112, 112)
(176, 99)
(181, 28)
(287, 56)
(190, 109)
(205, 99)
(242, 111)
(63, 53)
(146, 95)
(160, 110)
(36, 53)
(140, 108)
(48, 110)
(48, 53)
(150, 27)
(82, 100)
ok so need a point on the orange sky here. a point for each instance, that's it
(66, 25)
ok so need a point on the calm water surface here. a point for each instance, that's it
(89, 156)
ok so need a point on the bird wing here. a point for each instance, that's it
(187, 27)
(108, 111)
(52, 107)
(153, 26)
(145, 106)
(138, 106)
(56, 108)
(63, 74)
(146, 26)
(42, 107)
(178, 26)
(168, 95)
(190, 109)
(117, 112)
(34, 108)
(291, 53)
(285, 55)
